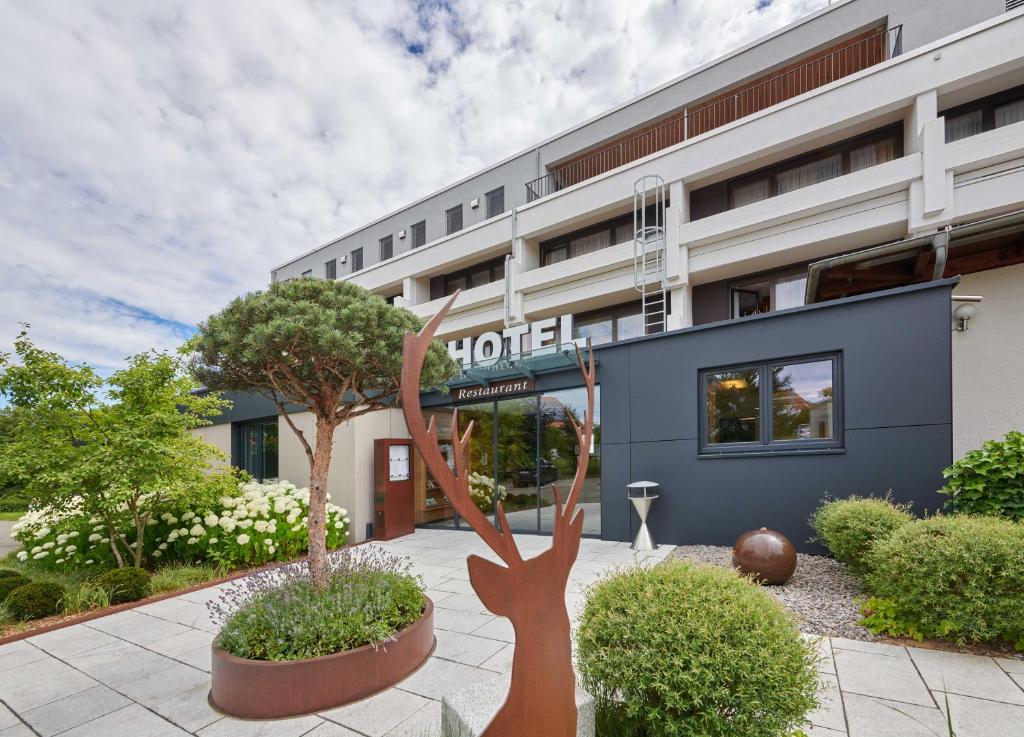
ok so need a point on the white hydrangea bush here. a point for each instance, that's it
(481, 491)
(261, 523)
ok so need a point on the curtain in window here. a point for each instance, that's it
(623, 233)
(1012, 112)
(872, 154)
(747, 194)
(962, 126)
(810, 173)
(589, 243)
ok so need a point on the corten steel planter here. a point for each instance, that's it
(272, 689)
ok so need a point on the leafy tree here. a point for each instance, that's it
(328, 346)
(118, 449)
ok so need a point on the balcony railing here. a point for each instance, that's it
(858, 54)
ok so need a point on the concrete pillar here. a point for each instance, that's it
(677, 262)
(415, 290)
(931, 196)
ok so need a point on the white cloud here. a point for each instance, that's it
(157, 158)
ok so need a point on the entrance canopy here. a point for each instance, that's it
(521, 365)
(960, 249)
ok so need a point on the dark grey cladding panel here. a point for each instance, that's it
(615, 507)
(248, 406)
(613, 377)
(896, 399)
(713, 501)
(895, 360)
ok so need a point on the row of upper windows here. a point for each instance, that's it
(862, 152)
(1003, 108)
(494, 204)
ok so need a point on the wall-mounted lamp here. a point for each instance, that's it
(474, 203)
(401, 235)
(965, 311)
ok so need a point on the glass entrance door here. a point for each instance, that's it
(518, 449)
(559, 453)
(517, 462)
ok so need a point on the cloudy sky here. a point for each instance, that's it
(159, 157)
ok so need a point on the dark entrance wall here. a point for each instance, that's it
(896, 416)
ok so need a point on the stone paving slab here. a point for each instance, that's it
(145, 672)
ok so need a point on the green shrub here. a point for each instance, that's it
(690, 650)
(7, 573)
(177, 577)
(368, 598)
(849, 527)
(989, 480)
(85, 597)
(10, 583)
(958, 578)
(35, 600)
(125, 584)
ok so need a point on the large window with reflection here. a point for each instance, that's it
(774, 406)
(519, 447)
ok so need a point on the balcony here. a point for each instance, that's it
(838, 61)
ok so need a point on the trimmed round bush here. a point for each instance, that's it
(35, 600)
(10, 583)
(690, 650)
(955, 577)
(125, 584)
(8, 573)
(849, 527)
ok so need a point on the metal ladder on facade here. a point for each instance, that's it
(649, 251)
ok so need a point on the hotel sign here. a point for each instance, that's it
(495, 389)
(530, 336)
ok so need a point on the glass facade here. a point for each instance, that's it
(519, 447)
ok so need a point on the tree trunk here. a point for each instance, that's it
(317, 514)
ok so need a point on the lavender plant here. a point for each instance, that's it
(370, 595)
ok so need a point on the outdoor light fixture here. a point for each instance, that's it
(964, 312)
(474, 203)
(401, 235)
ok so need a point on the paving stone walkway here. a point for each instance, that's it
(145, 672)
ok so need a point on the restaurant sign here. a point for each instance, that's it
(495, 389)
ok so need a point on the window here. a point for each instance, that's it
(610, 325)
(862, 152)
(331, 269)
(387, 248)
(767, 294)
(768, 407)
(475, 276)
(820, 166)
(453, 220)
(308, 272)
(495, 202)
(419, 233)
(988, 113)
(357, 260)
(588, 240)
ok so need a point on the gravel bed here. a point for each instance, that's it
(821, 593)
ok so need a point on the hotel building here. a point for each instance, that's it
(778, 257)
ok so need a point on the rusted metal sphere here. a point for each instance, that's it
(766, 554)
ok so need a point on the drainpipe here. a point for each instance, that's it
(940, 244)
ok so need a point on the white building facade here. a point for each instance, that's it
(856, 156)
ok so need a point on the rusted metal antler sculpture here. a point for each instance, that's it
(531, 593)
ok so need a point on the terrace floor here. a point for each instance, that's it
(145, 672)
